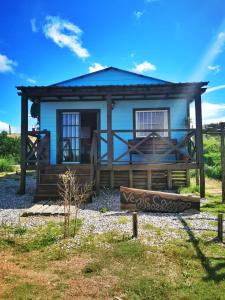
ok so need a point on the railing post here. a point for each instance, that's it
(135, 225)
(109, 131)
(24, 131)
(222, 125)
(220, 227)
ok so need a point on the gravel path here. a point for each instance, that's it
(165, 225)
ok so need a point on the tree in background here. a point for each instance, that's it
(9, 146)
(212, 156)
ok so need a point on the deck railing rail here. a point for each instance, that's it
(150, 149)
(37, 148)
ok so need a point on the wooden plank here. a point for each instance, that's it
(131, 178)
(139, 199)
(149, 179)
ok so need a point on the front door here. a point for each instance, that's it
(75, 135)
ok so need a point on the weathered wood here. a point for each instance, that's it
(169, 180)
(135, 224)
(223, 161)
(149, 179)
(24, 130)
(130, 178)
(138, 199)
(220, 227)
(199, 142)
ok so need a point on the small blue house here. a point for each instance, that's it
(114, 127)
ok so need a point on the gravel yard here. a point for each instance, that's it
(164, 225)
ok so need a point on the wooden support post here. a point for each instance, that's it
(149, 179)
(169, 180)
(220, 227)
(131, 178)
(109, 128)
(24, 131)
(199, 142)
(223, 160)
(135, 225)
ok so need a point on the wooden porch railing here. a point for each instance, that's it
(151, 149)
(37, 148)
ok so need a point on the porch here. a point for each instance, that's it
(117, 156)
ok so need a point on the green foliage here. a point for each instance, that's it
(9, 146)
(129, 249)
(212, 157)
(24, 240)
(103, 210)
(192, 189)
(6, 165)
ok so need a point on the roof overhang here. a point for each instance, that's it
(118, 92)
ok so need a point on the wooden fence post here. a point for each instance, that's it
(220, 227)
(135, 225)
(223, 160)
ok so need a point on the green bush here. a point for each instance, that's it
(212, 157)
(9, 146)
(6, 165)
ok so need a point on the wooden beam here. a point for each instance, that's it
(199, 142)
(24, 131)
(109, 128)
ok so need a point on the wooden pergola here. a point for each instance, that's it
(38, 94)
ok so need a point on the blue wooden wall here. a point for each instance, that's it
(122, 117)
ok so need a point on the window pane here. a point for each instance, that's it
(152, 119)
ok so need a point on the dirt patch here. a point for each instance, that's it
(90, 288)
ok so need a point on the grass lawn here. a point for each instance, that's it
(38, 264)
(213, 195)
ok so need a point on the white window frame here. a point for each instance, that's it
(149, 125)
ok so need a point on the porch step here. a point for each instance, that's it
(54, 178)
(47, 188)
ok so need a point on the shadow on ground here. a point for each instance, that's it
(208, 263)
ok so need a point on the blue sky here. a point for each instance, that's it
(43, 42)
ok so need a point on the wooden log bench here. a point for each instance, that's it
(155, 201)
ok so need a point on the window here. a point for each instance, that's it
(151, 119)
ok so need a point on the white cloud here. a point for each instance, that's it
(215, 88)
(215, 48)
(138, 14)
(96, 67)
(65, 34)
(33, 24)
(146, 66)
(215, 69)
(28, 79)
(31, 81)
(211, 113)
(6, 64)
